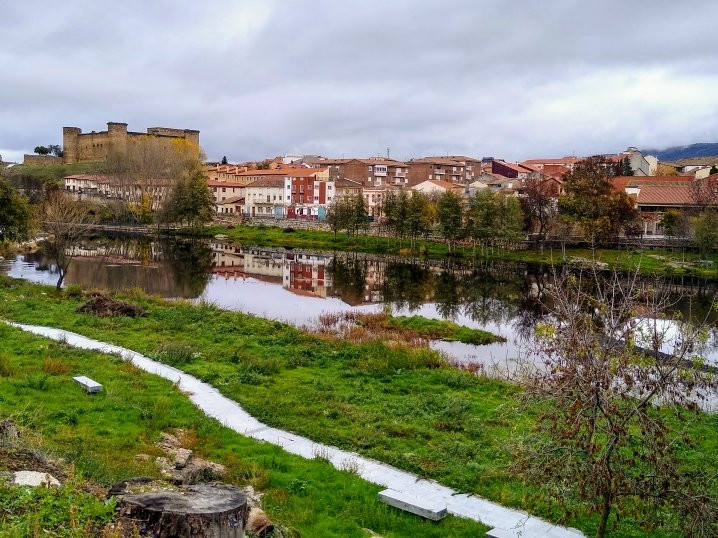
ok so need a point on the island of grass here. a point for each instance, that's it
(441, 329)
(398, 404)
(413, 330)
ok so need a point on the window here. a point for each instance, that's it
(268, 199)
(316, 198)
(329, 187)
(224, 189)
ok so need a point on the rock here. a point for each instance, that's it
(34, 479)
(182, 458)
(8, 430)
(258, 523)
(207, 511)
(372, 533)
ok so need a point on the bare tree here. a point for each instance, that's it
(66, 221)
(613, 374)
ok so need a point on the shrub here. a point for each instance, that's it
(175, 353)
(73, 291)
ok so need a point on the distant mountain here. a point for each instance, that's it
(684, 152)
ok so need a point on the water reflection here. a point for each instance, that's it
(297, 286)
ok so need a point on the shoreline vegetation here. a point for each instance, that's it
(412, 330)
(678, 262)
(401, 405)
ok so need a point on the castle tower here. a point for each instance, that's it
(70, 143)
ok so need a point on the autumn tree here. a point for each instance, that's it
(15, 214)
(590, 201)
(148, 169)
(539, 202)
(66, 221)
(449, 215)
(615, 382)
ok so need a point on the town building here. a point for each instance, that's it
(438, 187)
(104, 188)
(265, 197)
(442, 169)
(513, 170)
(79, 147)
(308, 193)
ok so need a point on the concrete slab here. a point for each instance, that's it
(232, 415)
(426, 508)
(88, 384)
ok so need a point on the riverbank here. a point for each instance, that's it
(102, 435)
(401, 406)
(648, 261)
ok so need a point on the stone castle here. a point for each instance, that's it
(79, 147)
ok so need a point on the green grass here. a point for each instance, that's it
(54, 171)
(401, 406)
(101, 435)
(661, 261)
(440, 329)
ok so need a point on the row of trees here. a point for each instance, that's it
(348, 213)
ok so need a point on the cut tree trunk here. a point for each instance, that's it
(206, 511)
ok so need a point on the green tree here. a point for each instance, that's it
(358, 221)
(481, 218)
(42, 150)
(590, 201)
(15, 214)
(339, 214)
(419, 216)
(224, 160)
(713, 170)
(705, 232)
(671, 222)
(191, 199)
(510, 219)
(450, 217)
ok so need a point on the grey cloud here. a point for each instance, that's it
(259, 78)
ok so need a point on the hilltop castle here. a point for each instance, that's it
(79, 147)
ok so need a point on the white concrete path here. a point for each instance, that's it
(231, 414)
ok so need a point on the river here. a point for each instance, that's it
(297, 286)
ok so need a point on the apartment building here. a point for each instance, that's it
(265, 197)
(441, 169)
(308, 192)
(372, 172)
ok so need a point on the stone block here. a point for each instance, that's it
(425, 508)
(88, 384)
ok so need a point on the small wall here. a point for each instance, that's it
(41, 160)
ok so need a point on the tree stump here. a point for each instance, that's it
(205, 510)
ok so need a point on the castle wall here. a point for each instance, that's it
(96, 146)
(41, 160)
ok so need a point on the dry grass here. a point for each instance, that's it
(359, 327)
(55, 366)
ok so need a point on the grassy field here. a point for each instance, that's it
(101, 435)
(398, 405)
(53, 171)
(664, 262)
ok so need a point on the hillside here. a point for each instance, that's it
(676, 153)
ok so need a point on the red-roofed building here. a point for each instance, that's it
(511, 170)
(437, 186)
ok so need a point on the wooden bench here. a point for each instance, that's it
(88, 384)
(421, 507)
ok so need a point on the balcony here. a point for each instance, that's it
(439, 171)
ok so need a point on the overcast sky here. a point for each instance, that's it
(512, 79)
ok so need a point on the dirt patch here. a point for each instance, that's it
(105, 307)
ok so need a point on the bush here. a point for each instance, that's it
(176, 354)
(288, 230)
(74, 291)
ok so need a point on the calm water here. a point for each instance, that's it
(296, 286)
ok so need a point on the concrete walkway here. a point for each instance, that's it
(230, 413)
